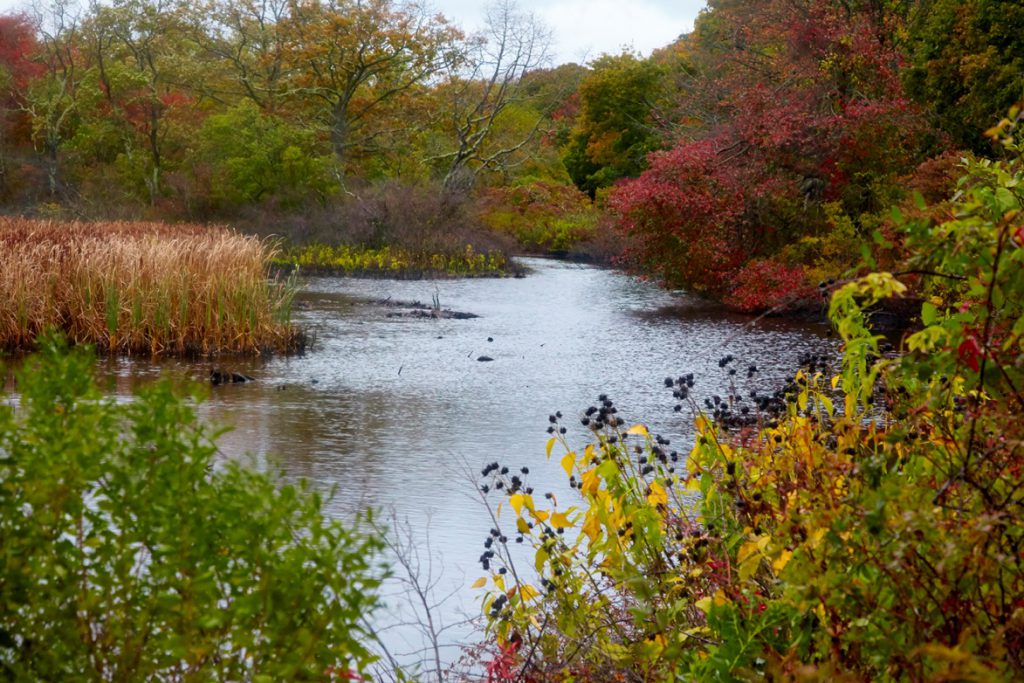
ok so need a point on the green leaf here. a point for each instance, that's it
(929, 313)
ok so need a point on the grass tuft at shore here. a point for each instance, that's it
(141, 288)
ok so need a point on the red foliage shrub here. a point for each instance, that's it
(805, 105)
(765, 284)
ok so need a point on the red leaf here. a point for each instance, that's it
(970, 351)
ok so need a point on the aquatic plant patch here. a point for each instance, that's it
(390, 261)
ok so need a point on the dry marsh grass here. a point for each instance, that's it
(141, 288)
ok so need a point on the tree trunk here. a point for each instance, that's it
(339, 139)
(52, 170)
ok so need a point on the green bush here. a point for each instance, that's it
(128, 553)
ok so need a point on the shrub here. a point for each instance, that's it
(128, 553)
(767, 284)
(541, 216)
(866, 524)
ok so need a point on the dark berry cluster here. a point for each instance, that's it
(813, 362)
(736, 411)
(498, 605)
(555, 425)
(680, 387)
(497, 477)
(597, 417)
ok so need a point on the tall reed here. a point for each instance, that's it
(149, 288)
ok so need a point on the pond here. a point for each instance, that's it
(397, 412)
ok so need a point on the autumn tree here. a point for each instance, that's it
(248, 39)
(806, 121)
(349, 60)
(484, 94)
(18, 46)
(614, 131)
(143, 65)
(50, 99)
(968, 64)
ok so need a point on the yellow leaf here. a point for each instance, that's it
(749, 567)
(592, 527)
(551, 444)
(704, 605)
(568, 462)
(720, 598)
(850, 404)
(746, 550)
(522, 526)
(541, 558)
(657, 495)
(480, 583)
(539, 515)
(639, 430)
(560, 520)
(516, 501)
(782, 560)
(588, 454)
(590, 481)
(835, 382)
(528, 592)
(499, 581)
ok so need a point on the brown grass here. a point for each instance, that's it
(150, 288)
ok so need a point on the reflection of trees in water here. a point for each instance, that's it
(358, 442)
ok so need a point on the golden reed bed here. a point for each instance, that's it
(137, 288)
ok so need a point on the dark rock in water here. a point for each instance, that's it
(218, 377)
(485, 359)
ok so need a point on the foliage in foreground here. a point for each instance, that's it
(870, 526)
(141, 288)
(125, 554)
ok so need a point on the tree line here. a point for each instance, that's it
(230, 102)
(749, 159)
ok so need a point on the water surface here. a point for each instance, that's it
(398, 413)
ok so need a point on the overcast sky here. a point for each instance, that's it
(582, 29)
